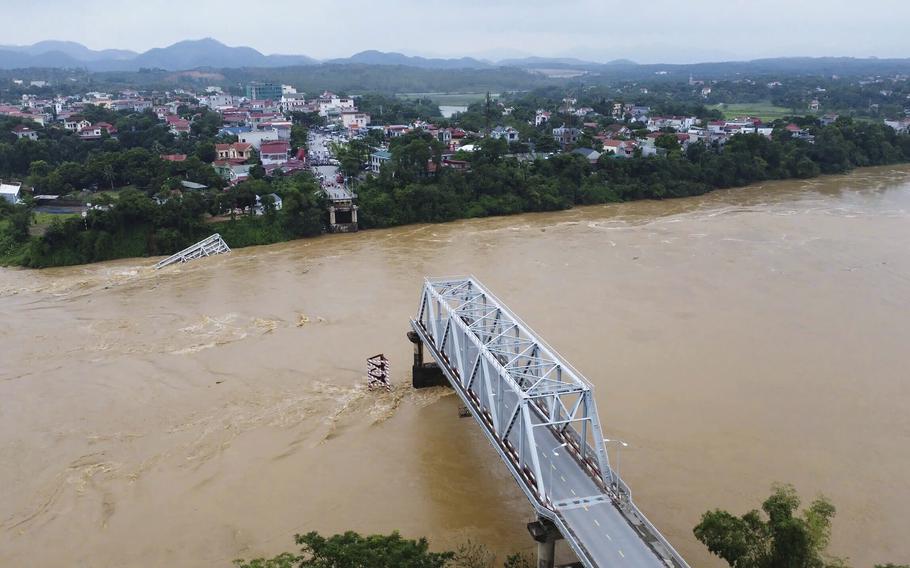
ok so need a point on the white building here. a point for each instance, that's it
(259, 208)
(901, 126)
(256, 138)
(218, 101)
(294, 102)
(11, 192)
(354, 119)
(677, 123)
(506, 133)
(378, 158)
(330, 103)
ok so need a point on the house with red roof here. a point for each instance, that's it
(274, 152)
(622, 148)
(97, 131)
(21, 131)
(108, 127)
(177, 125)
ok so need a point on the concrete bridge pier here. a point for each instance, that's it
(424, 375)
(545, 534)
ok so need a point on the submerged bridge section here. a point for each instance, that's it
(206, 247)
(539, 415)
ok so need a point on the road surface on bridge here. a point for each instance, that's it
(599, 526)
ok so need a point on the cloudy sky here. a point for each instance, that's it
(645, 31)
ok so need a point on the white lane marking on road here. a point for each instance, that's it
(621, 554)
(596, 522)
(585, 508)
(573, 492)
(562, 478)
(608, 536)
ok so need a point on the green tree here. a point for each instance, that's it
(352, 156)
(205, 151)
(782, 540)
(667, 142)
(351, 550)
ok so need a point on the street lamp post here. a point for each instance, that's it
(624, 445)
(553, 467)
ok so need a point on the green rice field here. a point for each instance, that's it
(763, 110)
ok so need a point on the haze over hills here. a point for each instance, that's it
(188, 54)
(210, 53)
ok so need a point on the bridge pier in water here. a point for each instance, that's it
(423, 374)
(545, 534)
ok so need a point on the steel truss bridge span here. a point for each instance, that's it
(540, 416)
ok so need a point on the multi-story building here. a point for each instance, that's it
(263, 91)
(355, 119)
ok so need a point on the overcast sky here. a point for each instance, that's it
(644, 31)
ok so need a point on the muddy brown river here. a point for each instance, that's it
(201, 413)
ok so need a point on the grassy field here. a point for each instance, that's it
(454, 99)
(43, 221)
(763, 110)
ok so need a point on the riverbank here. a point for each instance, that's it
(242, 232)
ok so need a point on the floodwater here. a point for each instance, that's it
(206, 412)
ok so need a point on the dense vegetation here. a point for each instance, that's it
(499, 184)
(138, 226)
(59, 163)
(413, 188)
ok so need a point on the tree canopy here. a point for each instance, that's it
(352, 550)
(781, 538)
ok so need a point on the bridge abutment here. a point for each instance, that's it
(423, 374)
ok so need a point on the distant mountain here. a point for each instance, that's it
(183, 55)
(211, 53)
(373, 57)
(11, 59)
(71, 49)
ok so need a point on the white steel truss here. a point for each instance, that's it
(533, 406)
(538, 412)
(517, 382)
(206, 247)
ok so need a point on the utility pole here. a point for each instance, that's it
(487, 114)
